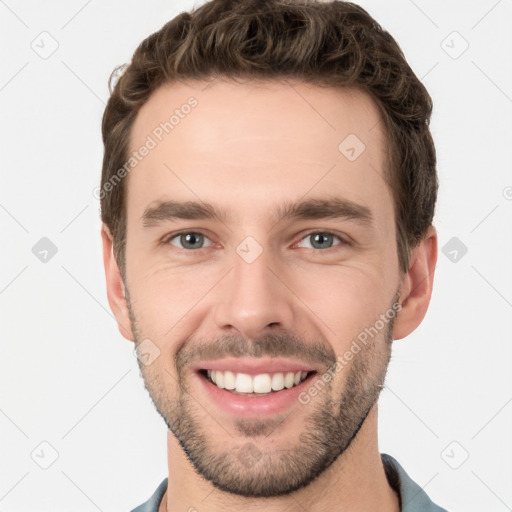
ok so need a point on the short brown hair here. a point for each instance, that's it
(333, 44)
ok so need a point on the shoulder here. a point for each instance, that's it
(154, 502)
(412, 497)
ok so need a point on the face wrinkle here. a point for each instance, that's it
(328, 430)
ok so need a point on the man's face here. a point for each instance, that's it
(254, 295)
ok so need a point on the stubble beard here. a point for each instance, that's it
(330, 425)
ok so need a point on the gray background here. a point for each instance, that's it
(70, 381)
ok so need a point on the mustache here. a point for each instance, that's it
(274, 345)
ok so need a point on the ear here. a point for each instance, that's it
(416, 286)
(115, 285)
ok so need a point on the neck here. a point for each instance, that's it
(356, 481)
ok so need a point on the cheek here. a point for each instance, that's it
(165, 300)
(344, 299)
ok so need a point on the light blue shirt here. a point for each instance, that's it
(412, 497)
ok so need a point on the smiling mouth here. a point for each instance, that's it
(261, 384)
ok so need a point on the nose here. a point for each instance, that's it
(254, 298)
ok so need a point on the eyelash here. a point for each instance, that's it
(342, 241)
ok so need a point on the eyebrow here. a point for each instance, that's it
(165, 211)
(330, 208)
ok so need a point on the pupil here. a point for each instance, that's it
(191, 240)
(322, 239)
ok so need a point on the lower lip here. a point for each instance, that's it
(246, 406)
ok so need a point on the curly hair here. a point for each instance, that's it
(333, 44)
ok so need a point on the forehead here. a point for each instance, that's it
(265, 139)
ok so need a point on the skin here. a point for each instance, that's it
(248, 148)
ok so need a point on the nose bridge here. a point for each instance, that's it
(253, 297)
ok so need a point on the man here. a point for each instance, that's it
(267, 195)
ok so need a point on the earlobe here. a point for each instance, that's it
(115, 285)
(416, 286)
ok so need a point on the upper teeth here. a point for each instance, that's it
(261, 383)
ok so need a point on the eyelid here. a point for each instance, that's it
(344, 239)
(166, 240)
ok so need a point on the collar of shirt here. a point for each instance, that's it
(412, 497)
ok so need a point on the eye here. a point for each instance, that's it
(321, 240)
(189, 240)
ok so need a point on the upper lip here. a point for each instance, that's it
(254, 365)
